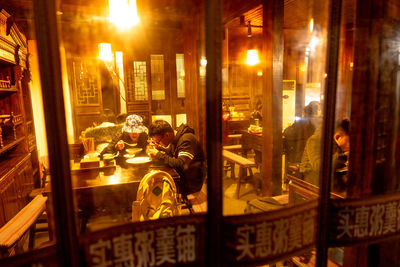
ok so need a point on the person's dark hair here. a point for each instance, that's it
(160, 127)
(121, 118)
(258, 105)
(107, 115)
(344, 126)
(311, 109)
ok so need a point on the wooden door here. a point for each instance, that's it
(86, 92)
(167, 101)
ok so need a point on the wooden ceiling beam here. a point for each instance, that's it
(234, 8)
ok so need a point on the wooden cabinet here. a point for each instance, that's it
(18, 152)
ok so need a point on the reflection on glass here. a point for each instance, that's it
(251, 183)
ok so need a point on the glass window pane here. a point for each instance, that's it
(157, 77)
(109, 139)
(180, 76)
(140, 80)
(273, 82)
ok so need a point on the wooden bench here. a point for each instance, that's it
(244, 164)
(15, 229)
(236, 148)
(234, 137)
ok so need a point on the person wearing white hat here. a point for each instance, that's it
(134, 134)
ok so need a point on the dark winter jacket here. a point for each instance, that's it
(186, 156)
(295, 138)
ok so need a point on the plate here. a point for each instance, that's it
(129, 156)
(138, 160)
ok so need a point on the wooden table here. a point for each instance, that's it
(251, 141)
(109, 191)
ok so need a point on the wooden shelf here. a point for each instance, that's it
(8, 90)
(10, 163)
(8, 145)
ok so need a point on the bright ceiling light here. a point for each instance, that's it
(123, 13)
(252, 57)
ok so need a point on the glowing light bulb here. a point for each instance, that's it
(252, 57)
(123, 13)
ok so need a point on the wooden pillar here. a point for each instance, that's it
(213, 33)
(53, 105)
(272, 60)
(194, 86)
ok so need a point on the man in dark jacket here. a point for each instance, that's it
(180, 150)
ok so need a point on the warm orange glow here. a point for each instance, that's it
(303, 67)
(252, 57)
(314, 42)
(259, 73)
(311, 25)
(105, 52)
(123, 13)
(203, 62)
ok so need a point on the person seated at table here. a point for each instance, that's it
(256, 116)
(340, 158)
(296, 135)
(121, 118)
(133, 134)
(180, 150)
(310, 162)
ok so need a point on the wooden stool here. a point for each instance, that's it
(244, 164)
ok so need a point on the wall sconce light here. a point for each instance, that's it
(123, 13)
(248, 29)
(105, 52)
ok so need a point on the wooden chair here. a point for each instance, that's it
(244, 164)
(15, 229)
(41, 223)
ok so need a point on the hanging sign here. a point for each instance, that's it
(174, 241)
(363, 220)
(267, 237)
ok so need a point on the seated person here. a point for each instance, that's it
(310, 162)
(133, 133)
(121, 118)
(340, 158)
(256, 116)
(104, 131)
(180, 150)
(294, 137)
